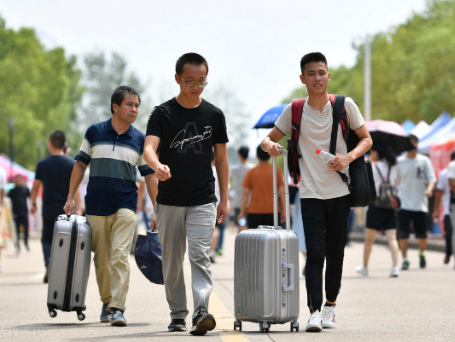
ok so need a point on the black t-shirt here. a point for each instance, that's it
(187, 137)
(18, 197)
(54, 172)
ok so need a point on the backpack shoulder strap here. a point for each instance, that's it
(297, 109)
(337, 102)
(380, 173)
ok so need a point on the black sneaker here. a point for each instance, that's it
(46, 277)
(177, 325)
(405, 265)
(202, 323)
(106, 314)
(423, 262)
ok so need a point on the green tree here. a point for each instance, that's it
(39, 88)
(100, 77)
(413, 73)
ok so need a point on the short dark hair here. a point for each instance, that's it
(262, 155)
(58, 139)
(190, 58)
(452, 155)
(413, 137)
(312, 57)
(243, 151)
(119, 94)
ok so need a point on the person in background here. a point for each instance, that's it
(443, 194)
(2, 195)
(18, 196)
(236, 175)
(54, 174)
(379, 219)
(416, 180)
(259, 182)
(297, 227)
(219, 228)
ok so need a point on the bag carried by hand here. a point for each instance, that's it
(148, 257)
(387, 198)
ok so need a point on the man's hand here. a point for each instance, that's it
(69, 207)
(273, 148)
(283, 216)
(428, 193)
(340, 161)
(222, 212)
(153, 222)
(163, 172)
(435, 216)
(33, 209)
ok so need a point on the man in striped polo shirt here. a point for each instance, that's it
(114, 149)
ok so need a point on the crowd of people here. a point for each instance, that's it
(182, 163)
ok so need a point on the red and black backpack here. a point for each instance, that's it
(361, 183)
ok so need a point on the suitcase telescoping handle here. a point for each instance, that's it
(286, 191)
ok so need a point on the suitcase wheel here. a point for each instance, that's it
(264, 327)
(53, 313)
(295, 326)
(237, 324)
(80, 316)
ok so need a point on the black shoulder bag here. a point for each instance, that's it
(361, 182)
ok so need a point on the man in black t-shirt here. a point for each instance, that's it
(54, 173)
(188, 127)
(18, 196)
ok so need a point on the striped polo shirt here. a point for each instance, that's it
(113, 160)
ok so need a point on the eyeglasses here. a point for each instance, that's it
(192, 84)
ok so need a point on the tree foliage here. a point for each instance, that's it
(101, 76)
(39, 88)
(413, 69)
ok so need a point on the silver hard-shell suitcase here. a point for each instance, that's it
(69, 265)
(266, 270)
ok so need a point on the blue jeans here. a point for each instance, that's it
(221, 239)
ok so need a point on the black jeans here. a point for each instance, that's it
(448, 235)
(21, 221)
(46, 239)
(325, 226)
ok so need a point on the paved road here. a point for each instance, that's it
(417, 306)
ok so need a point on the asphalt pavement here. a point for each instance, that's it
(416, 306)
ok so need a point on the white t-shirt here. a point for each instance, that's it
(443, 185)
(237, 173)
(451, 170)
(317, 179)
(414, 174)
(384, 169)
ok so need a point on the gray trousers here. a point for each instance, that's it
(175, 225)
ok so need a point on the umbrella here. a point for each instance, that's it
(408, 125)
(268, 119)
(389, 133)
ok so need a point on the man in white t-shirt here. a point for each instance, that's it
(236, 175)
(442, 192)
(416, 180)
(325, 199)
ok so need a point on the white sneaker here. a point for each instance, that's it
(328, 317)
(394, 272)
(314, 322)
(362, 270)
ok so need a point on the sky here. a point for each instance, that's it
(253, 47)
